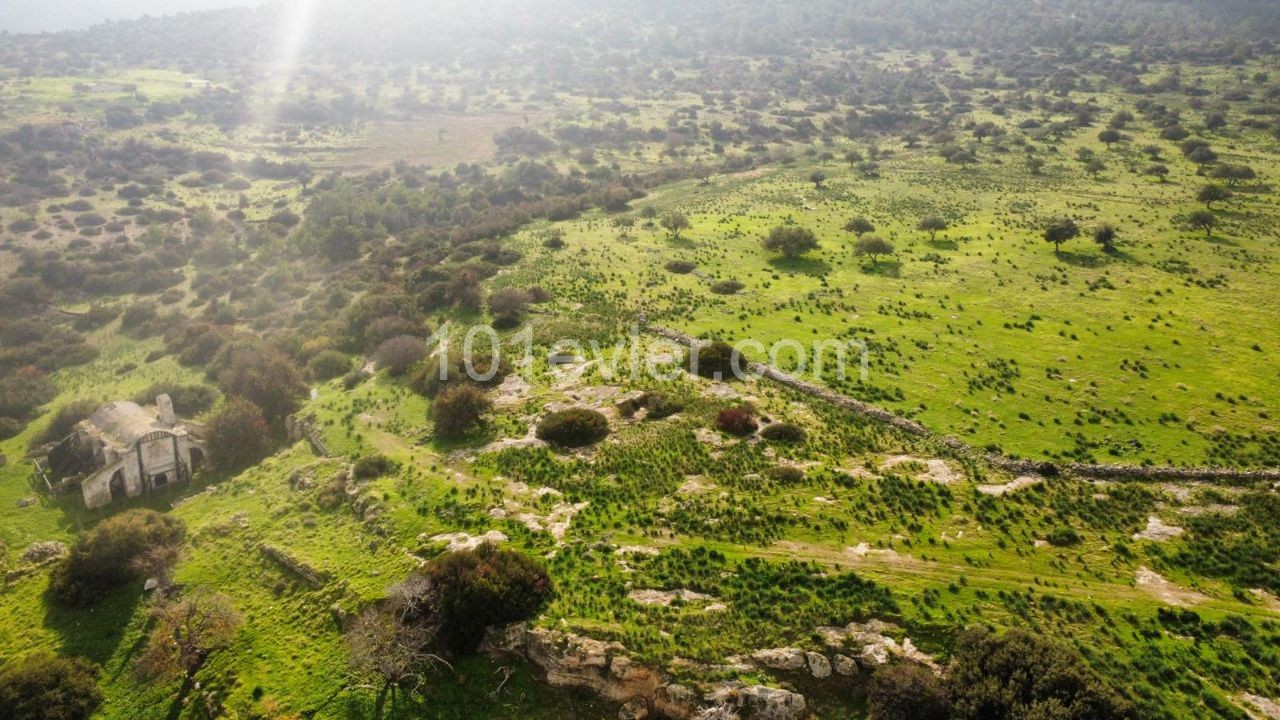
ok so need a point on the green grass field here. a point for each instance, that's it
(1152, 354)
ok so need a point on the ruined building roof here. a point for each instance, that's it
(122, 423)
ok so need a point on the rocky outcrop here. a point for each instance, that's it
(575, 661)
(758, 702)
(787, 659)
(606, 669)
(39, 552)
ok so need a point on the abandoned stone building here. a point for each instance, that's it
(124, 450)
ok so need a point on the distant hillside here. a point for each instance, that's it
(32, 16)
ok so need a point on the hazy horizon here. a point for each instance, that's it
(36, 16)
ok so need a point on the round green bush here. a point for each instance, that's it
(575, 427)
(783, 432)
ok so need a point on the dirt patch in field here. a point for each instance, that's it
(440, 140)
(935, 470)
(666, 597)
(1025, 481)
(514, 390)
(1258, 707)
(1166, 591)
(1158, 531)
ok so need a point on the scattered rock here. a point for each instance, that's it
(844, 665)
(45, 550)
(819, 666)
(634, 710)
(27, 502)
(789, 659)
(466, 541)
(757, 702)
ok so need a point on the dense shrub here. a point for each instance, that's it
(64, 420)
(739, 421)
(508, 306)
(237, 436)
(372, 466)
(457, 409)
(655, 404)
(188, 400)
(727, 287)
(24, 391)
(426, 379)
(785, 474)
(907, 691)
(1063, 537)
(783, 432)
(328, 364)
(1020, 675)
(262, 375)
(485, 587)
(43, 686)
(716, 360)
(574, 427)
(400, 353)
(680, 267)
(114, 552)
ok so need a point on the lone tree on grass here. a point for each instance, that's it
(1105, 235)
(1212, 193)
(1158, 171)
(859, 226)
(391, 644)
(186, 633)
(1060, 231)
(1110, 137)
(873, 246)
(790, 240)
(1203, 220)
(1233, 174)
(932, 225)
(817, 178)
(675, 223)
(1095, 167)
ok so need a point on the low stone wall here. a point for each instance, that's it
(310, 575)
(1015, 465)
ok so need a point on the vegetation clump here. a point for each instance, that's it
(122, 548)
(574, 427)
(44, 686)
(739, 421)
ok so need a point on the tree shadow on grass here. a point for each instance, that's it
(1085, 260)
(884, 268)
(802, 265)
(95, 631)
(943, 244)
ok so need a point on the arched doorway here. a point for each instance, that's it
(197, 460)
(116, 484)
